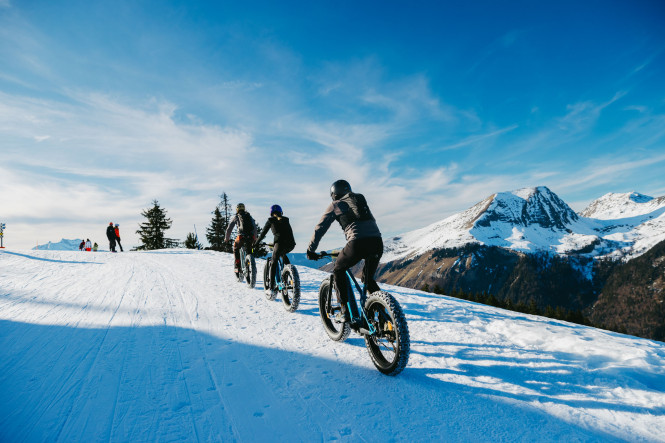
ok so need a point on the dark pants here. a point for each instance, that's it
(119, 245)
(112, 244)
(237, 244)
(370, 249)
(277, 251)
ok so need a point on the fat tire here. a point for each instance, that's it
(266, 280)
(290, 296)
(391, 307)
(336, 331)
(250, 270)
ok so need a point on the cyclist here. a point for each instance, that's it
(283, 239)
(363, 240)
(246, 233)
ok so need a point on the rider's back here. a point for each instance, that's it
(355, 217)
(281, 229)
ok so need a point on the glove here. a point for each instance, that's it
(311, 255)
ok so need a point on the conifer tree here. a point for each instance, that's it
(220, 221)
(152, 231)
(192, 241)
(216, 231)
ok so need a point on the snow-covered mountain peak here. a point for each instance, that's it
(536, 219)
(528, 206)
(622, 205)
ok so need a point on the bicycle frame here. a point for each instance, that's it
(356, 314)
(279, 284)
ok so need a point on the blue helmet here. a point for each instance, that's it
(276, 209)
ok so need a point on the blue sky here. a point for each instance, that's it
(425, 107)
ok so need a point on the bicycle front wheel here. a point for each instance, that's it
(291, 291)
(328, 306)
(389, 346)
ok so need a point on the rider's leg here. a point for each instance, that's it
(236, 253)
(273, 264)
(373, 248)
(348, 257)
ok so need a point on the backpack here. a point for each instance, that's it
(245, 223)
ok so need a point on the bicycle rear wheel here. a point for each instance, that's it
(291, 291)
(328, 306)
(389, 346)
(250, 270)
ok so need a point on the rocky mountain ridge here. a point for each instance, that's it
(529, 246)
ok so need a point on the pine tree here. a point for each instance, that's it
(220, 221)
(152, 232)
(192, 241)
(217, 230)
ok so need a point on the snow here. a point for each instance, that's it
(536, 220)
(166, 346)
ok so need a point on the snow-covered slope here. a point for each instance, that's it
(614, 206)
(536, 219)
(165, 346)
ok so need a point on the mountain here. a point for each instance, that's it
(534, 220)
(166, 346)
(62, 245)
(633, 297)
(528, 246)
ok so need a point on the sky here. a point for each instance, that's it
(424, 107)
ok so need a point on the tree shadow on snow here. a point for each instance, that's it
(159, 383)
(33, 257)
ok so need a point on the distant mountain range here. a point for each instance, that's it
(62, 245)
(529, 246)
(536, 220)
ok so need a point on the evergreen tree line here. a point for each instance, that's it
(558, 312)
(152, 232)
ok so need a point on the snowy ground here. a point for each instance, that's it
(165, 346)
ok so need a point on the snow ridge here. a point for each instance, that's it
(536, 220)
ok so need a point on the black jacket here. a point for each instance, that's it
(281, 229)
(353, 215)
(110, 232)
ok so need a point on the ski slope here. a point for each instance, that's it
(166, 346)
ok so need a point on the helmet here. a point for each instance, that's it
(111, 224)
(339, 189)
(275, 209)
(240, 207)
(117, 224)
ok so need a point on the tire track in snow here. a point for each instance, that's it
(85, 379)
(202, 352)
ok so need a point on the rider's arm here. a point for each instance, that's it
(320, 230)
(264, 231)
(229, 229)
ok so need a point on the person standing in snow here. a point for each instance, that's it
(81, 245)
(117, 236)
(95, 247)
(110, 234)
(362, 236)
(88, 245)
(246, 233)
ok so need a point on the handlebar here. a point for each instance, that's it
(323, 254)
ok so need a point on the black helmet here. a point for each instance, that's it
(339, 189)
